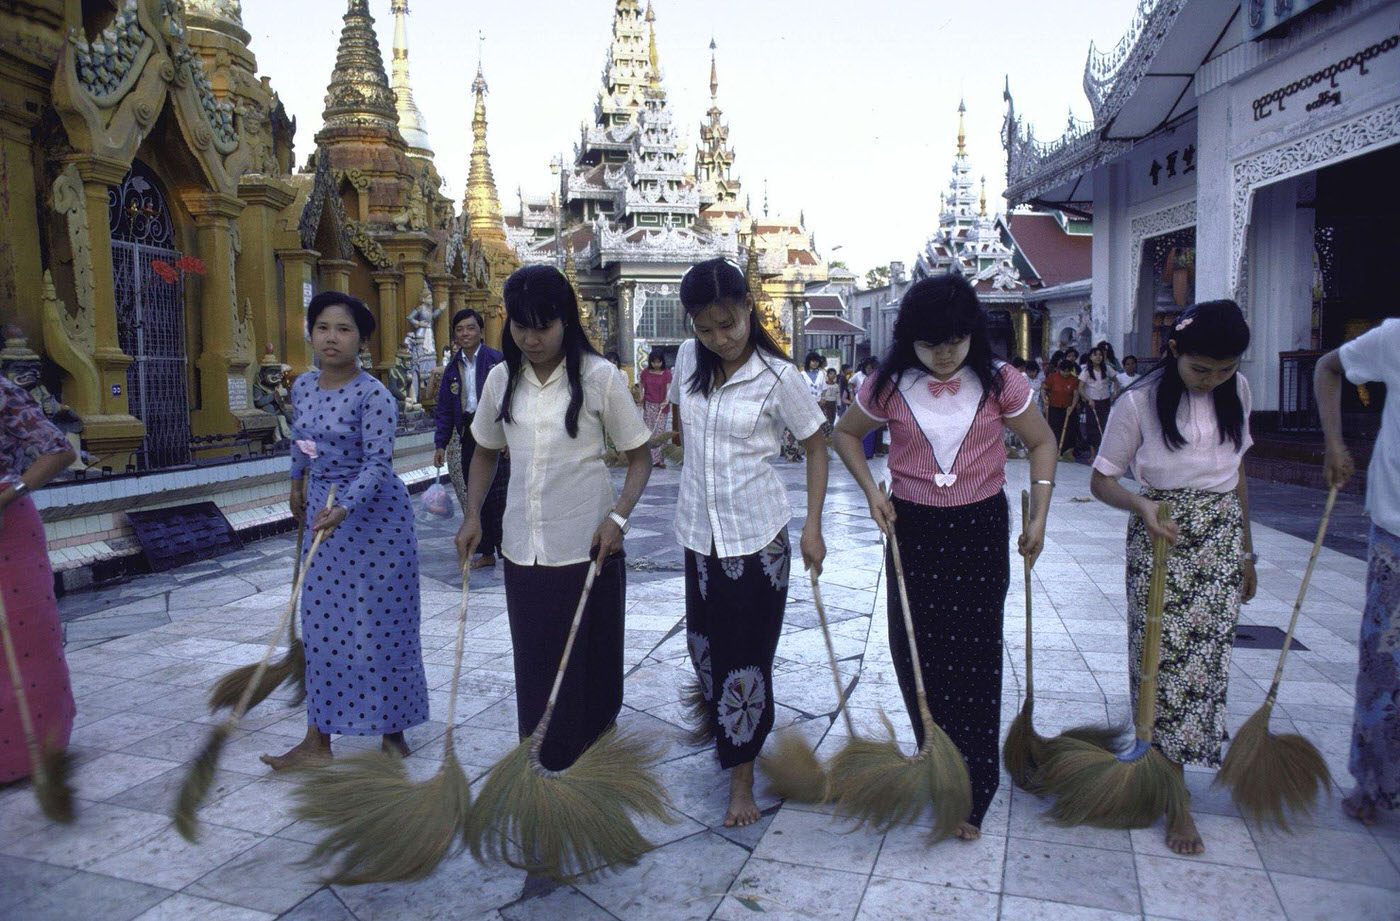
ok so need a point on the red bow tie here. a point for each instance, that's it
(938, 388)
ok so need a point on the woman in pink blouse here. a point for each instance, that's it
(946, 400)
(32, 452)
(656, 411)
(1182, 432)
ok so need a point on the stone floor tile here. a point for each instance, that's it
(685, 880)
(322, 905)
(22, 880)
(1030, 819)
(88, 896)
(1227, 841)
(461, 888)
(1066, 873)
(99, 831)
(907, 854)
(815, 840)
(564, 902)
(167, 860)
(268, 877)
(1305, 900)
(264, 806)
(1344, 856)
(901, 899)
(1182, 887)
(1019, 908)
(111, 773)
(789, 892)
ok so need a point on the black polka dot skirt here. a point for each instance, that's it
(957, 569)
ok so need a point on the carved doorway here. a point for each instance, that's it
(150, 300)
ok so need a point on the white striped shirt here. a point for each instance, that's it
(730, 497)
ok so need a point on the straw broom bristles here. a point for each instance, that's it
(793, 771)
(872, 781)
(1266, 772)
(699, 725)
(290, 668)
(48, 769)
(1092, 786)
(568, 823)
(201, 773)
(383, 826)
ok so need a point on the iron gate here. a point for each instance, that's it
(150, 317)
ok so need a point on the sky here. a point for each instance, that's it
(848, 110)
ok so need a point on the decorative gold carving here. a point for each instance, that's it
(368, 246)
(68, 200)
(66, 348)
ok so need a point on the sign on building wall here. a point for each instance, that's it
(237, 391)
(1263, 16)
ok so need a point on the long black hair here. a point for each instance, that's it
(535, 296)
(1089, 364)
(721, 281)
(1213, 329)
(938, 310)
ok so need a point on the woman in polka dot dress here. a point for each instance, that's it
(946, 400)
(360, 608)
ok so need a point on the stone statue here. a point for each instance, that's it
(270, 392)
(21, 366)
(400, 382)
(419, 341)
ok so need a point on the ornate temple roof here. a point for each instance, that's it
(714, 160)
(359, 92)
(481, 204)
(412, 125)
(1054, 256)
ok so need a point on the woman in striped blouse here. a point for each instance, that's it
(736, 393)
(946, 399)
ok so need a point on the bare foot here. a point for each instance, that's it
(968, 832)
(1360, 807)
(394, 744)
(1183, 838)
(742, 808)
(311, 752)
(485, 561)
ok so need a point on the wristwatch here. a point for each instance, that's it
(20, 488)
(618, 520)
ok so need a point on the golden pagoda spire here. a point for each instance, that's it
(962, 134)
(651, 48)
(714, 74)
(359, 92)
(984, 197)
(481, 205)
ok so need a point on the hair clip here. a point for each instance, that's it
(1185, 322)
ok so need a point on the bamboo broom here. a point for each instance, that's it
(384, 827)
(1131, 790)
(1267, 772)
(1025, 749)
(201, 773)
(48, 769)
(572, 822)
(874, 782)
(793, 771)
(291, 668)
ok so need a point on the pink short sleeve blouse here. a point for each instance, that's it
(1132, 441)
(946, 445)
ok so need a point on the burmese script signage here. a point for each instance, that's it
(1266, 15)
(1321, 87)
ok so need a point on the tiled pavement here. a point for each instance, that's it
(141, 717)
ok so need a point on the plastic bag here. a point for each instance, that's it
(438, 500)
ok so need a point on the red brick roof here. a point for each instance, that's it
(825, 303)
(832, 326)
(1055, 256)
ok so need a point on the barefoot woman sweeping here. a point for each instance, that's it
(360, 614)
(737, 392)
(1182, 431)
(946, 401)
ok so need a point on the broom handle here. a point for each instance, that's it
(1064, 430)
(1302, 590)
(242, 706)
(831, 656)
(1152, 632)
(564, 660)
(31, 738)
(457, 660)
(1025, 518)
(296, 566)
(924, 714)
